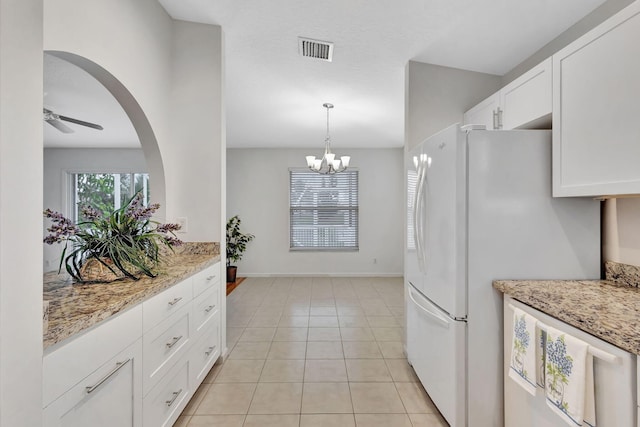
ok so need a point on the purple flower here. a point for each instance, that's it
(138, 212)
(168, 228)
(61, 229)
(90, 213)
(172, 241)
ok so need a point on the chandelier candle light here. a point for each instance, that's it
(328, 164)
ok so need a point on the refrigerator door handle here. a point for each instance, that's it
(444, 320)
(417, 217)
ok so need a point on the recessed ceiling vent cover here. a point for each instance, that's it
(315, 49)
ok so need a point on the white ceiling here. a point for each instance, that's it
(72, 92)
(274, 96)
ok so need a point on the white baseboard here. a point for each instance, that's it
(322, 274)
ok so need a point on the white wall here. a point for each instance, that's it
(258, 191)
(193, 160)
(59, 162)
(436, 97)
(20, 212)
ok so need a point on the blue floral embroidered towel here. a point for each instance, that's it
(565, 370)
(522, 368)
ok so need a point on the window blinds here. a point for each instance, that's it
(323, 210)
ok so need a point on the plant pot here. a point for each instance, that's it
(94, 271)
(231, 273)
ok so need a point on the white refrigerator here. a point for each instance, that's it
(479, 208)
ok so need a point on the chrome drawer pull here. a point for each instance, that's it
(210, 278)
(208, 309)
(173, 399)
(174, 341)
(208, 352)
(175, 301)
(119, 365)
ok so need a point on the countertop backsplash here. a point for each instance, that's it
(622, 273)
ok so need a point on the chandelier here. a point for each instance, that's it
(328, 164)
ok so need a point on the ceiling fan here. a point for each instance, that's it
(55, 120)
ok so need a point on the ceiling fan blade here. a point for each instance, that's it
(80, 122)
(60, 126)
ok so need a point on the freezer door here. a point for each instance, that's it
(444, 221)
(436, 349)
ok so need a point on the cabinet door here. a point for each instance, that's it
(485, 113)
(596, 108)
(526, 101)
(110, 396)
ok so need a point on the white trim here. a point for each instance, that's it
(391, 275)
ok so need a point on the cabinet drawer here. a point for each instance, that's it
(204, 353)
(164, 345)
(165, 402)
(166, 303)
(205, 307)
(206, 278)
(111, 394)
(65, 366)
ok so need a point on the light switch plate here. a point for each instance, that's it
(182, 222)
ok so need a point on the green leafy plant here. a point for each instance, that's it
(236, 240)
(127, 241)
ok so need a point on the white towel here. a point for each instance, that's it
(565, 363)
(522, 366)
(541, 343)
(589, 394)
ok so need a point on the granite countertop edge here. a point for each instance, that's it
(606, 309)
(74, 308)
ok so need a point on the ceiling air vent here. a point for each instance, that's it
(315, 49)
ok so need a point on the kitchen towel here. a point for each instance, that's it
(566, 375)
(541, 344)
(522, 367)
(589, 394)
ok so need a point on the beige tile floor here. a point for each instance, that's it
(307, 352)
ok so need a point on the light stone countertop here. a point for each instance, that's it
(607, 309)
(76, 307)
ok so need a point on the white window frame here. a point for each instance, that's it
(70, 196)
(353, 208)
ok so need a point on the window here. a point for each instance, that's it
(323, 210)
(106, 191)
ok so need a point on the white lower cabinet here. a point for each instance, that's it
(205, 352)
(110, 396)
(165, 402)
(137, 368)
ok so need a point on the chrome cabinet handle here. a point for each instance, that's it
(174, 341)
(119, 365)
(175, 301)
(208, 309)
(210, 350)
(211, 278)
(173, 399)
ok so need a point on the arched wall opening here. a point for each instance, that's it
(139, 120)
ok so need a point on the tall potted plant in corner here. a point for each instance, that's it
(236, 245)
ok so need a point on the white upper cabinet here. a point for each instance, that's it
(525, 103)
(596, 110)
(485, 113)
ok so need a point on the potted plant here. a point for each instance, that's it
(104, 248)
(236, 245)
